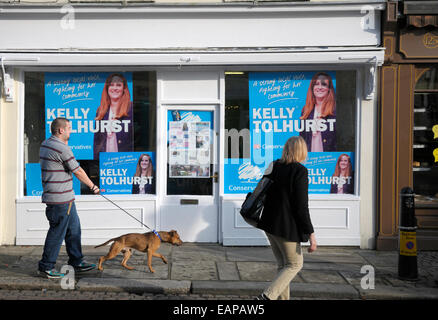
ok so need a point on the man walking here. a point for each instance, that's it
(57, 165)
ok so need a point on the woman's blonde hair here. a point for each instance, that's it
(329, 104)
(294, 150)
(105, 101)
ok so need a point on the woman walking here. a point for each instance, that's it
(286, 220)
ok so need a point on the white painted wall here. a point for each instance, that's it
(9, 163)
(323, 24)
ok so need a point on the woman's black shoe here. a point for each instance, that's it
(262, 297)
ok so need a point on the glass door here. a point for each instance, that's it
(191, 165)
(189, 202)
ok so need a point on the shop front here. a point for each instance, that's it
(202, 107)
(408, 153)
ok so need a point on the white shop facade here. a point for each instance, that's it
(214, 92)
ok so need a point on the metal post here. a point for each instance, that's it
(407, 261)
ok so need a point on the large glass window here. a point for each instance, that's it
(113, 116)
(425, 168)
(264, 109)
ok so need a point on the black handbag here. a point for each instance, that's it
(252, 208)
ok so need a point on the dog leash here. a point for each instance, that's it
(155, 232)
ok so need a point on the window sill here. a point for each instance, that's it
(94, 198)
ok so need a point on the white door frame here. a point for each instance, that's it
(195, 222)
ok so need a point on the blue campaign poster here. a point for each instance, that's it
(287, 104)
(121, 172)
(240, 176)
(77, 96)
(34, 186)
(276, 101)
(330, 172)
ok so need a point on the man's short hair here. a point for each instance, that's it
(57, 124)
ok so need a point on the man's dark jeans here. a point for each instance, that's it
(66, 226)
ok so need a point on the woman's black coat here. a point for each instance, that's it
(286, 210)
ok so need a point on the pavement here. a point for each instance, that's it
(203, 270)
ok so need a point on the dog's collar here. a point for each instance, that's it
(156, 233)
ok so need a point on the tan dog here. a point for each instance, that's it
(144, 242)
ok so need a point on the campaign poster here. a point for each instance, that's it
(240, 176)
(190, 143)
(99, 106)
(127, 172)
(286, 104)
(330, 172)
(34, 185)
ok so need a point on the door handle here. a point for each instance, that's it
(215, 176)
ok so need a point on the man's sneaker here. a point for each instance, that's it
(84, 266)
(51, 274)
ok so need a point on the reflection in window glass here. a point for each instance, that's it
(425, 169)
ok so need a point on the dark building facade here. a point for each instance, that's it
(408, 146)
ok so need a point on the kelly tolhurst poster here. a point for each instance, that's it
(87, 100)
(34, 185)
(127, 173)
(328, 173)
(285, 104)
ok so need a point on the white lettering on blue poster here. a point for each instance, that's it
(127, 172)
(99, 106)
(286, 104)
(330, 172)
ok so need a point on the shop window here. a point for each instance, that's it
(264, 109)
(118, 153)
(425, 147)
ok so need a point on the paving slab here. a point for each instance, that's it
(335, 258)
(315, 276)
(323, 291)
(227, 271)
(249, 254)
(325, 266)
(192, 252)
(380, 258)
(139, 272)
(16, 250)
(337, 291)
(354, 278)
(229, 287)
(134, 285)
(199, 270)
(260, 271)
(381, 292)
(29, 283)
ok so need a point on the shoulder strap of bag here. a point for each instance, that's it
(270, 170)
